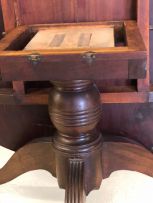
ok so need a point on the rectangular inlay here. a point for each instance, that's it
(84, 39)
(72, 38)
(57, 40)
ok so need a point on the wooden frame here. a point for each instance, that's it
(119, 62)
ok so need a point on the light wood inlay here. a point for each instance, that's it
(74, 37)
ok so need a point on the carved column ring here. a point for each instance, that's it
(75, 107)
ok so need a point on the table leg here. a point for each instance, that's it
(38, 154)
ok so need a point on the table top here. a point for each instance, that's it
(74, 37)
(104, 50)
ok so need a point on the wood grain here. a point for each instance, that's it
(28, 158)
(40, 97)
(143, 23)
(8, 10)
(19, 125)
(121, 156)
(59, 11)
(129, 120)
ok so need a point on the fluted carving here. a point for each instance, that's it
(75, 191)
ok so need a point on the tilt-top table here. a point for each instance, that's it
(71, 57)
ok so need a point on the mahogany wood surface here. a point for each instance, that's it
(121, 156)
(128, 120)
(32, 158)
(40, 97)
(25, 12)
(75, 111)
(75, 190)
(19, 125)
(151, 40)
(1, 22)
(143, 22)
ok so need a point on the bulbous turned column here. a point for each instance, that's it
(75, 110)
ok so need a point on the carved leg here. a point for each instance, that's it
(28, 158)
(126, 156)
(75, 110)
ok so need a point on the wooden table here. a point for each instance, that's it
(71, 56)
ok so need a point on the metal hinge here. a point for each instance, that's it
(151, 27)
(34, 58)
(89, 57)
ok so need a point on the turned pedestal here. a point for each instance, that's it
(76, 153)
(75, 110)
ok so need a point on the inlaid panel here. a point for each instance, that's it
(72, 38)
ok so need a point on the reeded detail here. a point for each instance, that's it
(75, 192)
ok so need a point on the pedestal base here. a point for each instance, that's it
(76, 154)
(115, 156)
